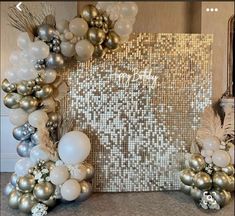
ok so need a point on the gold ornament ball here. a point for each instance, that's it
(43, 191)
(89, 12)
(26, 202)
(23, 88)
(185, 188)
(197, 162)
(220, 180)
(13, 199)
(96, 36)
(112, 40)
(202, 181)
(186, 176)
(99, 51)
(229, 170)
(26, 183)
(90, 171)
(12, 100)
(51, 202)
(29, 103)
(44, 92)
(86, 191)
(231, 183)
(196, 193)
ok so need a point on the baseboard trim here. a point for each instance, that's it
(8, 161)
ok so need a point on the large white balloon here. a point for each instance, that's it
(67, 49)
(78, 26)
(49, 75)
(59, 174)
(70, 190)
(84, 50)
(74, 147)
(38, 118)
(39, 49)
(23, 40)
(210, 143)
(18, 116)
(62, 25)
(221, 158)
(128, 9)
(123, 27)
(27, 73)
(22, 166)
(12, 75)
(37, 154)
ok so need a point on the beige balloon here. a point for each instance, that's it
(13, 199)
(26, 183)
(186, 176)
(84, 50)
(12, 100)
(78, 26)
(202, 181)
(42, 191)
(29, 103)
(26, 202)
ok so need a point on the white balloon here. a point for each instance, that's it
(208, 159)
(210, 143)
(221, 158)
(49, 75)
(27, 73)
(70, 190)
(59, 174)
(123, 27)
(38, 118)
(39, 49)
(129, 9)
(62, 25)
(74, 147)
(231, 153)
(12, 75)
(103, 5)
(78, 26)
(84, 50)
(67, 49)
(78, 172)
(18, 116)
(14, 58)
(23, 41)
(37, 154)
(22, 166)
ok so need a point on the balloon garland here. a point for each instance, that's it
(53, 164)
(209, 176)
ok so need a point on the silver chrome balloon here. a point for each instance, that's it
(23, 132)
(196, 193)
(186, 176)
(35, 138)
(197, 162)
(54, 60)
(220, 180)
(202, 181)
(8, 189)
(46, 32)
(14, 179)
(24, 148)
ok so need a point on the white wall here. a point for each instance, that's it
(65, 10)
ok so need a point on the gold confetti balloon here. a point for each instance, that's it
(26, 202)
(197, 162)
(229, 170)
(26, 183)
(29, 103)
(220, 180)
(86, 190)
(90, 171)
(96, 36)
(89, 12)
(186, 176)
(202, 181)
(12, 100)
(185, 188)
(43, 191)
(13, 199)
(112, 40)
(44, 92)
(24, 89)
(196, 193)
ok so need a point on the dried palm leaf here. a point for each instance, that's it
(228, 125)
(47, 15)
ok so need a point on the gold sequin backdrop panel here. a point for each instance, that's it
(139, 131)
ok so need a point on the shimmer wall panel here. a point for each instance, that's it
(141, 107)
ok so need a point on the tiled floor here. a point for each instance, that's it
(124, 204)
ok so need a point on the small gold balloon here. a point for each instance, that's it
(29, 103)
(7, 86)
(197, 162)
(43, 191)
(227, 196)
(90, 171)
(26, 202)
(50, 165)
(96, 36)
(26, 183)
(220, 180)
(216, 169)
(202, 181)
(86, 191)
(51, 202)
(44, 92)
(13, 199)
(99, 51)
(229, 170)
(23, 88)
(89, 12)
(54, 117)
(186, 176)
(12, 100)
(185, 188)
(112, 40)
(231, 183)
(196, 193)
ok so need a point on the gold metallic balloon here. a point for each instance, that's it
(196, 193)
(26, 202)
(112, 40)
(86, 191)
(186, 176)
(99, 51)
(197, 162)
(185, 188)
(89, 12)
(219, 197)
(13, 199)
(51, 202)
(90, 171)
(220, 180)
(44, 92)
(12, 100)
(29, 103)
(96, 36)
(43, 191)
(231, 183)
(54, 117)
(229, 170)
(202, 181)
(227, 196)
(26, 183)
(216, 169)
(23, 88)
(50, 165)
(7, 87)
